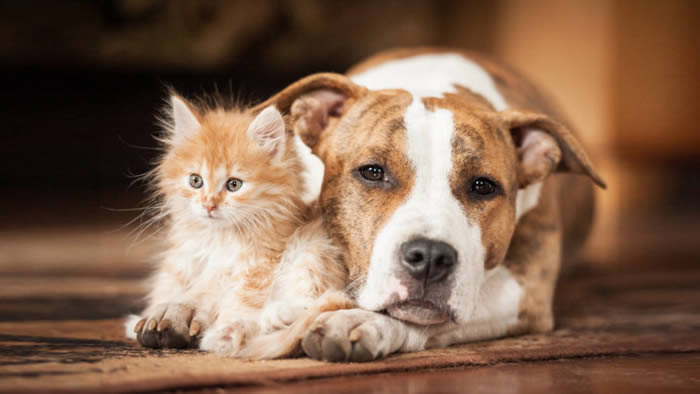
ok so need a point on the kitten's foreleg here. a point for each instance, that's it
(232, 328)
(171, 320)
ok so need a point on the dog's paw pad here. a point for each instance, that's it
(344, 336)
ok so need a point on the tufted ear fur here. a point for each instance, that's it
(544, 146)
(183, 119)
(268, 131)
(312, 100)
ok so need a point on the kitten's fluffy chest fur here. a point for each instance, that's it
(205, 258)
(211, 263)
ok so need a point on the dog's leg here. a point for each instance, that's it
(359, 335)
(534, 259)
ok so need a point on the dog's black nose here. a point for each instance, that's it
(427, 259)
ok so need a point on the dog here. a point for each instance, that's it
(438, 185)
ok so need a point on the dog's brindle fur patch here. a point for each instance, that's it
(355, 219)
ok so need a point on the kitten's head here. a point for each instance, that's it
(228, 168)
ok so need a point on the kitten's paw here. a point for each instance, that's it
(169, 326)
(350, 335)
(279, 315)
(226, 339)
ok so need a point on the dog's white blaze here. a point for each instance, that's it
(431, 211)
(432, 76)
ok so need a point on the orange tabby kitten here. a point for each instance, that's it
(245, 254)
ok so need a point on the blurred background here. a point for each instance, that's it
(81, 81)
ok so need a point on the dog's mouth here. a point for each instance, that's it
(419, 312)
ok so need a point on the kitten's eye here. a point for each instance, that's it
(373, 172)
(196, 181)
(483, 187)
(233, 184)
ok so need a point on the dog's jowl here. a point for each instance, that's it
(440, 186)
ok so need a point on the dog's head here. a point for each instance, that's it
(423, 193)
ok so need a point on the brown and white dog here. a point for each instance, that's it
(437, 186)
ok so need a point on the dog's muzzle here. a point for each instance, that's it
(428, 262)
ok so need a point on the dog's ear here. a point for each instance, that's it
(312, 100)
(544, 146)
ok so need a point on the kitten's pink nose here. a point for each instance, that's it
(209, 207)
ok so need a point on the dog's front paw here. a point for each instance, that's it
(352, 335)
(169, 326)
(227, 339)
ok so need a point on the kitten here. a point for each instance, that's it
(232, 185)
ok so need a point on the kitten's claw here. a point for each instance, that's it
(139, 326)
(194, 328)
(169, 326)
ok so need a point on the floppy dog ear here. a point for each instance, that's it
(312, 100)
(544, 146)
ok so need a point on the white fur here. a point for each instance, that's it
(496, 312)
(432, 75)
(430, 211)
(210, 262)
(527, 199)
(184, 123)
(313, 171)
(129, 325)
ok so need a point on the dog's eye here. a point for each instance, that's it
(233, 184)
(483, 187)
(196, 181)
(373, 173)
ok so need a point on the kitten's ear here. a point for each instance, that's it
(268, 131)
(184, 120)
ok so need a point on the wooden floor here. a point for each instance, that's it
(678, 373)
